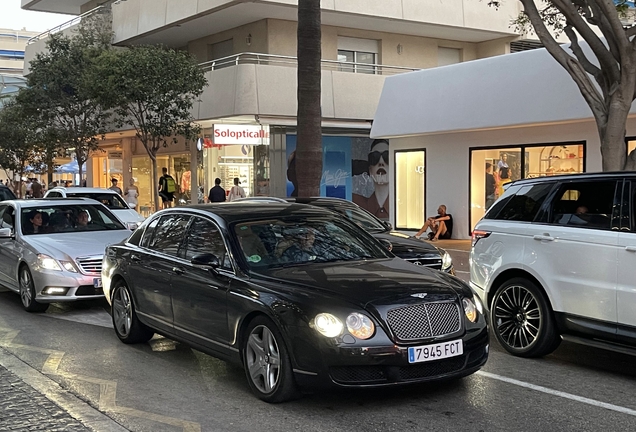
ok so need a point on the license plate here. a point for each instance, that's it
(97, 282)
(436, 351)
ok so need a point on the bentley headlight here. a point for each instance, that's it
(68, 266)
(447, 261)
(360, 326)
(48, 263)
(328, 325)
(470, 309)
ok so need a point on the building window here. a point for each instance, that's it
(631, 145)
(448, 56)
(358, 55)
(491, 169)
(410, 189)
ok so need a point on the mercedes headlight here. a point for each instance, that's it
(360, 326)
(328, 325)
(48, 263)
(447, 261)
(68, 266)
(470, 310)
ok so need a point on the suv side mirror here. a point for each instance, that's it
(132, 205)
(206, 260)
(6, 233)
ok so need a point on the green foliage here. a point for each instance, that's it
(60, 92)
(20, 138)
(151, 89)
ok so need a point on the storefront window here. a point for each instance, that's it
(554, 160)
(410, 189)
(178, 167)
(492, 168)
(249, 163)
(631, 146)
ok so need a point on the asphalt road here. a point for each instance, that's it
(165, 386)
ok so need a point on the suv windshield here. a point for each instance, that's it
(111, 200)
(67, 218)
(293, 241)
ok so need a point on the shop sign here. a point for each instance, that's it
(115, 155)
(241, 134)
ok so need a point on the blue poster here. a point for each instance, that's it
(336, 167)
(354, 168)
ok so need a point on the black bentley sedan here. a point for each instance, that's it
(298, 296)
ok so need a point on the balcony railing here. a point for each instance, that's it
(65, 25)
(271, 59)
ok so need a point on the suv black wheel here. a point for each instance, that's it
(522, 319)
(267, 364)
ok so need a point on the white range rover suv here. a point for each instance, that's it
(555, 258)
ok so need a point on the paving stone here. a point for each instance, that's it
(24, 409)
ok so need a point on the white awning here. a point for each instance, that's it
(510, 90)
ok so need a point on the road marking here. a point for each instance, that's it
(107, 400)
(558, 393)
(97, 317)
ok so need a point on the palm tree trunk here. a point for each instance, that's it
(309, 145)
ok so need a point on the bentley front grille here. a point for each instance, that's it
(424, 320)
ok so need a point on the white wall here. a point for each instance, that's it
(448, 160)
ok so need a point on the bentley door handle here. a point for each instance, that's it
(135, 258)
(545, 237)
(630, 248)
(178, 270)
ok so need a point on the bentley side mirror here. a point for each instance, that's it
(387, 224)
(387, 244)
(206, 260)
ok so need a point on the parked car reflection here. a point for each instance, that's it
(297, 295)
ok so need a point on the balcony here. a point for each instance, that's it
(37, 43)
(176, 23)
(250, 84)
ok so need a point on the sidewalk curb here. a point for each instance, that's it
(75, 407)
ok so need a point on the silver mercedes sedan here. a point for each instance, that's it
(51, 250)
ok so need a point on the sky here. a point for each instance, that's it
(14, 18)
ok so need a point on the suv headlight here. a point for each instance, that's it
(48, 263)
(447, 261)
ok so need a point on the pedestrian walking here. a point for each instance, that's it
(132, 193)
(36, 189)
(237, 191)
(217, 193)
(114, 187)
(167, 188)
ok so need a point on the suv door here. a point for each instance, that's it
(151, 268)
(573, 247)
(199, 295)
(626, 286)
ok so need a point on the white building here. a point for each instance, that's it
(445, 124)
(248, 51)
